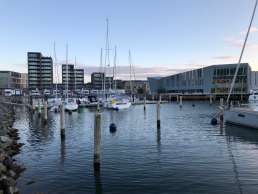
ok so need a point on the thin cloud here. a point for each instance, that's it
(237, 42)
(139, 73)
(252, 30)
(226, 57)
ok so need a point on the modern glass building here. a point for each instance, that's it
(97, 81)
(215, 79)
(75, 77)
(10, 80)
(40, 71)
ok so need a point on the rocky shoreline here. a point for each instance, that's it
(9, 169)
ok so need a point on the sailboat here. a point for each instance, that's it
(70, 104)
(117, 101)
(56, 102)
(241, 116)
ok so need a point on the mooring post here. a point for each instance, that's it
(33, 106)
(221, 102)
(222, 110)
(62, 121)
(231, 103)
(177, 98)
(45, 111)
(144, 106)
(210, 99)
(158, 113)
(97, 138)
(39, 109)
(181, 102)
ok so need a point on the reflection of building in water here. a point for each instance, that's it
(40, 133)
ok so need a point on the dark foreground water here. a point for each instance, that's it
(187, 155)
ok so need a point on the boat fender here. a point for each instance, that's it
(112, 127)
(214, 121)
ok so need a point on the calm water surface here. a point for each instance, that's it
(187, 155)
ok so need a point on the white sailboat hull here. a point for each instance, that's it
(70, 105)
(242, 117)
(121, 106)
(117, 105)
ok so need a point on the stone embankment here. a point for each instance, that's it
(9, 169)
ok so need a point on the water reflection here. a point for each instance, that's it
(243, 134)
(62, 151)
(234, 133)
(98, 183)
(158, 141)
(38, 131)
(158, 137)
(194, 154)
(235, 170)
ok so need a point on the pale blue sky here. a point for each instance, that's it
(160, 33)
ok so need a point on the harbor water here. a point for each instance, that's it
(186, 155)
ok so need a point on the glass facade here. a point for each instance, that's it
(215, 79)
(10, 80)
(75, 77)
(40, 71)
(97, 81)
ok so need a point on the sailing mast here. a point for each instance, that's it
(101, 70)
(130, 63)
(242, 52)
(114, 71)
(55, 63)
(66, 70)
(107, 59)
(74, 73)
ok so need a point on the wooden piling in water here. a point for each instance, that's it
(39, 109)
(97, 138)
(158, 113)
(221, 102)
(62, 121)
(231, 103)
(33, 106)
(177, 98)
(222, 110)
(144, 105)
(181, 102)
(210, 99)
(45, 111)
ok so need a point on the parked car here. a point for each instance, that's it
(8, 92)
(34, 93)
(17, 92)
(47, 92)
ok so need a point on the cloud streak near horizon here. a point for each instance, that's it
(138, 72)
